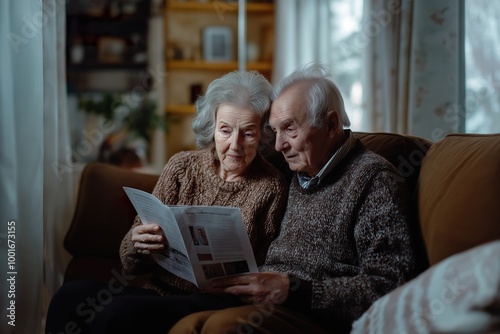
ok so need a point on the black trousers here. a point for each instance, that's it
(99, 307)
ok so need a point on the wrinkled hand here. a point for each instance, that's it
(259, 288)
(148, 238)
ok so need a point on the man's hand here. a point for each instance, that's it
(257, 288)
(148, 238)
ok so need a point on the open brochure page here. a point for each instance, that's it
(175, 257)
(204, 242)
(216, 240)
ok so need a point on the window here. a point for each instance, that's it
(482, 66)
(346, 19)
(482, 62)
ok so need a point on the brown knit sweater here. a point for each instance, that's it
(345, 242)
(189, 178)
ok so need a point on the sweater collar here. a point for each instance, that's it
(306, 182)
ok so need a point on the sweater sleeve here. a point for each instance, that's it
(272, 216)
(383, 244)
(166, 189)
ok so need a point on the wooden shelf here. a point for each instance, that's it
(186, 66)
(93, 34)
(216, 66)
(185, 109)
(99, 66)
(220, 6)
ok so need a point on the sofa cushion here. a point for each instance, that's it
(459, 295)
(459, 193)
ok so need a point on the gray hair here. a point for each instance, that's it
(244, 89)
(322, 93)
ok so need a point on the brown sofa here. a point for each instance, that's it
(455, 187)
(458, 204)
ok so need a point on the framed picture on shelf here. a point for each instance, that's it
(111, 49)
(217, 43)
(84, 7)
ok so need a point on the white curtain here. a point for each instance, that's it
(21, 170)
(411, 82)
(303, 30)
(33, 144)
(157, 64)
(58, 181)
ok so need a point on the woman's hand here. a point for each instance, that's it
(148, 238)
(256, 288)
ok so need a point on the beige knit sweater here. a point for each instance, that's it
(189, 178)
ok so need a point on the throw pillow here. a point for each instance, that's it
(459, 295)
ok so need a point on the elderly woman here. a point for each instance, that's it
(227, 170)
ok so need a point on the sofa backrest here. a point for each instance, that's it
(459, 194)
(405, 152)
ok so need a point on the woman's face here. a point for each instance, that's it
(237, 136)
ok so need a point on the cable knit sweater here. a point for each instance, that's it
(345, 242)
(190, 178)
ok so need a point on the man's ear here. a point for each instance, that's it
(333, 120)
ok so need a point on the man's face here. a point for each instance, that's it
(306, 149)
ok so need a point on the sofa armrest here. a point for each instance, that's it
(459, 192)
(103, 213)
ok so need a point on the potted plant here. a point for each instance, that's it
(133, 125)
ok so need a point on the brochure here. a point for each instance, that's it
(202, 242)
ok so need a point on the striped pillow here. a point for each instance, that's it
(461, 294)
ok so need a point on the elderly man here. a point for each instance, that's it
(344, 239)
